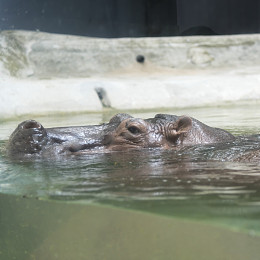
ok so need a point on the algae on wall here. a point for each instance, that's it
(13, 58)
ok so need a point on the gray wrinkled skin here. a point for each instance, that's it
(31, 139)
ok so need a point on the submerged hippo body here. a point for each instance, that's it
(122, 132)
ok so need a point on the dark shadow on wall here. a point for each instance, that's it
(99, 18)
(132, 18)
(221, 16)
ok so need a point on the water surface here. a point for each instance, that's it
(199, 182)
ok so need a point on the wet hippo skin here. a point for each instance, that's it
(122, 132)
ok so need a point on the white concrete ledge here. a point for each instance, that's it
(43, 73)
(46, 97)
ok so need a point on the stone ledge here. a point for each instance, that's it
(41, 97)
(44, 55)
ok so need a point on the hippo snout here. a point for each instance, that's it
(28, 138)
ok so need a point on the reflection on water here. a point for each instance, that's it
(198, 182)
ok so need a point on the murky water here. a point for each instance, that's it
(199, 182)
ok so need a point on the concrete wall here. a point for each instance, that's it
(45, 73)
(43, 55)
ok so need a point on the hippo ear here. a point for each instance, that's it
(183, 125)
(178, 128)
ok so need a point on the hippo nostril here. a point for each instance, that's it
(31, 124)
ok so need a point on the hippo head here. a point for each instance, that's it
(122, 132)
(139, 133)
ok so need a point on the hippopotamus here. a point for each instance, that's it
(122, 132)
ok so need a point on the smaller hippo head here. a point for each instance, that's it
(139, 133)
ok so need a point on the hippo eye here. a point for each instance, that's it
(134, 130)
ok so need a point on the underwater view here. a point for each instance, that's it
(199, 183)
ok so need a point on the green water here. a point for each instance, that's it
(196, 184)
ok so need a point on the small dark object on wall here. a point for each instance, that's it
(102, 95)
(140, 58)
